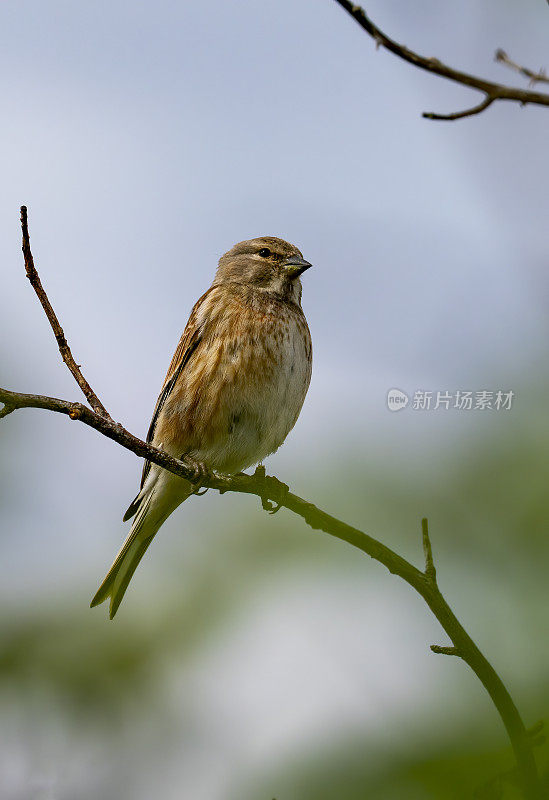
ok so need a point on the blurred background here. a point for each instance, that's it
(253, 658)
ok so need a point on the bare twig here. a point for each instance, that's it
(492, 91)
(468, 112)
(534, 77)
(64, 348)
(273, 495)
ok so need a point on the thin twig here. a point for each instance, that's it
(64, 348)
(534, 77)
(468, 112)
(492, 91)
(273, 495)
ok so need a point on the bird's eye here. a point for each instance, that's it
(264, 252)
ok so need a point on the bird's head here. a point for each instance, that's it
(267, 263)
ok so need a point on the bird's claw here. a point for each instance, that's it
(201, 475)
(266, 503)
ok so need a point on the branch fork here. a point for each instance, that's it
(492, 91)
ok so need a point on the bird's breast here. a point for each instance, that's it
(259, 376)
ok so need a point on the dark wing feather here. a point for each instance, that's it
(190, 339)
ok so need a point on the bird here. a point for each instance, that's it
(233, 391)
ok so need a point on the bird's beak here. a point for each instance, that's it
(296, 265)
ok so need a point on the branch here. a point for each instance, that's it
(64, 348)
(274, 495)
(468, 112)
(492, 91)
(535, 77)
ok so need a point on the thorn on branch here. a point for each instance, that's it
(444, 651)
(430, 571)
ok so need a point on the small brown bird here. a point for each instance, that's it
(234, 389)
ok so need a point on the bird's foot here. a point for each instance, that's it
(201, 474)
(266, 503)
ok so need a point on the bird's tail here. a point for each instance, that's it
(157, 501)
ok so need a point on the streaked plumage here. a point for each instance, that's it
(234, 388)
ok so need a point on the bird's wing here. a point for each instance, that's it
(189, 342)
